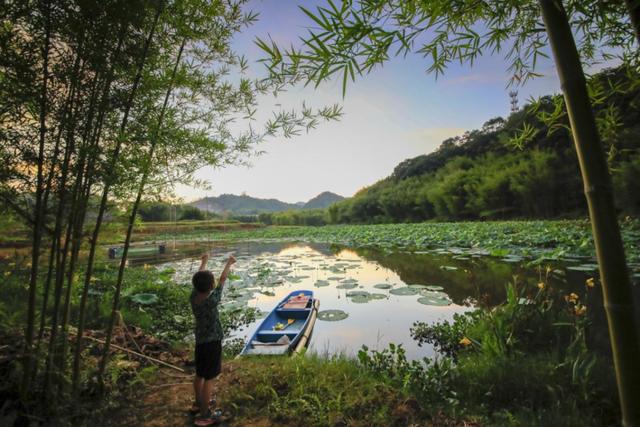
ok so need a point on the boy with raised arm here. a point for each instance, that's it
(205, 298)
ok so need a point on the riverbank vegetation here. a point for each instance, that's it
(535, 239)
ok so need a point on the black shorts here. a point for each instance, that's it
(209, 359)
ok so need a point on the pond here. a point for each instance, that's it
(377, 295)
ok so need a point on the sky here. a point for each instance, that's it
(395, 113)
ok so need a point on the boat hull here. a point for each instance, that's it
(300, 321)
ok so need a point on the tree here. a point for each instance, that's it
(355, 37)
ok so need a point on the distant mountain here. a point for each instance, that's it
(247, 205)
(323, 200)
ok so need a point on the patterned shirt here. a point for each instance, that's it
(208, 326)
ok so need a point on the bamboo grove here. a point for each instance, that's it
(106, 103)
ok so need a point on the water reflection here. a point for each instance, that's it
(266, 272)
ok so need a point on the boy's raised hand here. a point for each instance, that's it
(203, 261)
(223, 277)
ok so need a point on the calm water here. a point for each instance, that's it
(266, 272)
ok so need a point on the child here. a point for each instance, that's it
(204, 303)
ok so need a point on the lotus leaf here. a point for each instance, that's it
(332, 315)
(434, 301)
(358, 293)
(404, 291)
(145, 299)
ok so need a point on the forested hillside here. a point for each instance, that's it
(484, 174)
(495, 173)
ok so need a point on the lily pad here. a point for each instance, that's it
(361, 299)
(358, 294)
(434, 288)
(434, 301)
(383, 286)
(377, 296)
(321, 283)
(347, 285)
(145, 299)
(433, 294)
(418, 286)
(404, 291)
(332, 315)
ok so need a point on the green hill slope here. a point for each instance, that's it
(483, 175)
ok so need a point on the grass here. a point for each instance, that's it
(317, 391)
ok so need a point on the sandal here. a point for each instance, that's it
(195, 407)
(208, 420)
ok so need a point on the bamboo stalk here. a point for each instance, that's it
(114, 159)
(95, 138)
(633, 6)
(616, 287)
(39, 216)
(134, 211)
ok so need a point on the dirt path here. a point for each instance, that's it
(166, 401)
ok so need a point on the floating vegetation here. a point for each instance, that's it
(332, 315)
(404, 291)
(434, 288)
(334, 278)
(383, 286)
(145, 299)
(434, 301)
(434, 294)
(377, 296)
(321, 283)
(348, 285)
(358, 293)
(418, 286)
(360, 299)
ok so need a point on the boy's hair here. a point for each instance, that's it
(203, 280)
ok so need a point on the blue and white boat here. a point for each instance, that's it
(287, 328)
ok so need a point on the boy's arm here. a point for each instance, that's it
(225, 272)
(203, 262)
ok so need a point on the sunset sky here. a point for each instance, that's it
(397, 112)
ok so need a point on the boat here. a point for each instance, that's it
(287, 328)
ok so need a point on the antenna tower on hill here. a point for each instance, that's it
(514, 100)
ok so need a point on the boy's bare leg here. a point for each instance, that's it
(205, 396)
(197, 388)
